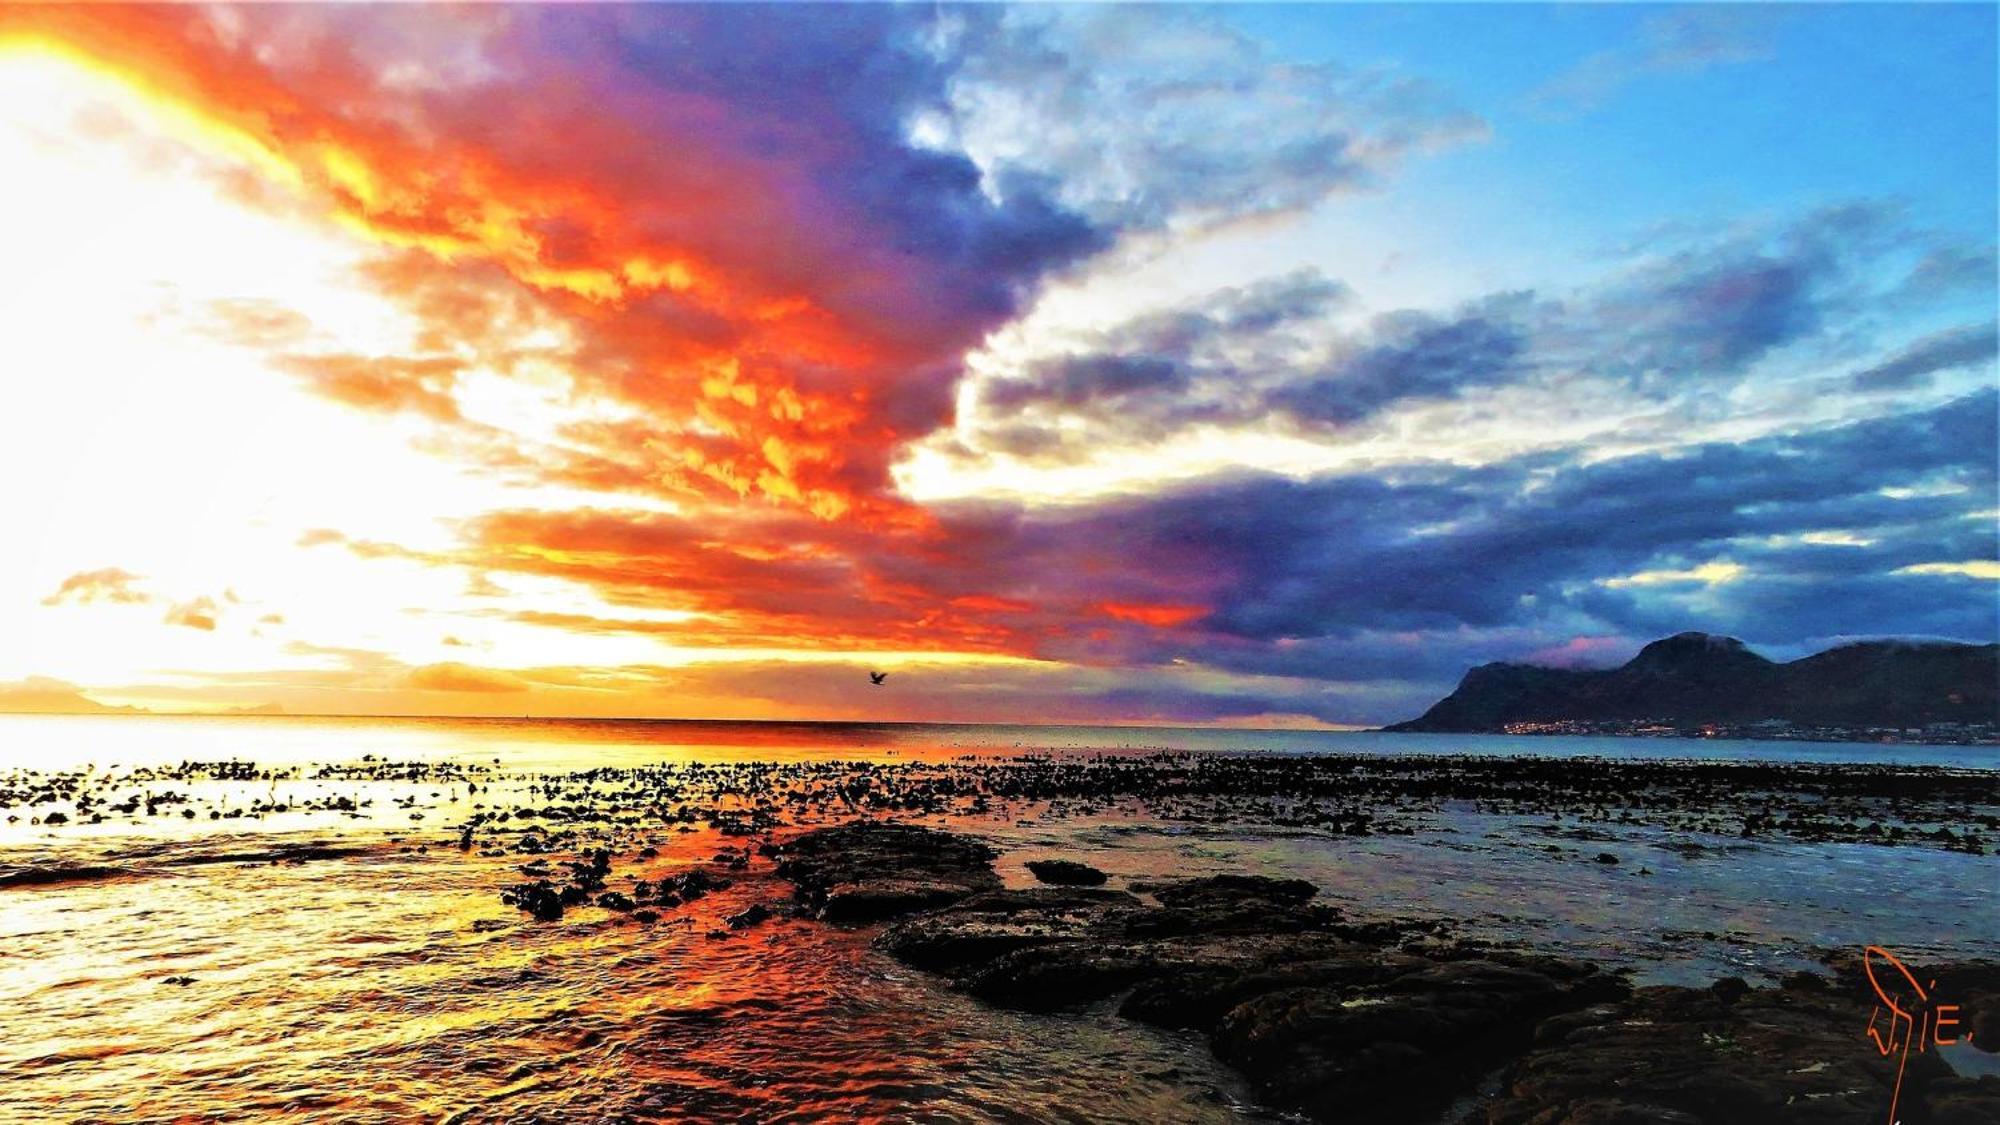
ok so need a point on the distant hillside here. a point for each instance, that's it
(39, 695)
(1694, 680)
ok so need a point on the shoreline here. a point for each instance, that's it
(1694, 733)
(1413, 890)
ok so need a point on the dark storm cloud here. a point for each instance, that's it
(1951, 268)
(1694, 317)
(823, 98)
(1945, 351)
(1208, 362)
(1693, 313)
(1513, 545)
(1712, 307)
(1317, 596)
(1416, 356)
(1081, 380)
(1250, 353)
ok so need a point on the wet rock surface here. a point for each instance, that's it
(1326, 1014)
(1398, 1043)
(1385, 1019)
(1065, 873)
(869, 871)
(1728, 1053)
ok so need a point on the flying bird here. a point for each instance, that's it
(876, 678)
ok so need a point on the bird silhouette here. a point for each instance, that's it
(876, 678)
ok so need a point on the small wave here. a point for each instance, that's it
(54, 874)
(276, 853)
(152, 859)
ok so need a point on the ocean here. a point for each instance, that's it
(229, 928)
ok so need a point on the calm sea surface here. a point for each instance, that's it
(388, 982)
(66, 741)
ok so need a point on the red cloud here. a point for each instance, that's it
(771, 284)
(1158, 616)
(766, 273)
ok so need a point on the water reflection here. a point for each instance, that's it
(348, 962)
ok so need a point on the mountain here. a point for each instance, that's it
(1695, 679)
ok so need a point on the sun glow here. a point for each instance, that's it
(170, 439)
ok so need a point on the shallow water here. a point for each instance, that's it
(70, 741)
(386, 982)
(362, 990)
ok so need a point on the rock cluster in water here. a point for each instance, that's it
(1379, 1019)
(1350, 795)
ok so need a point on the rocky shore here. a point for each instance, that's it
(1018, 884)
(1381, 1019)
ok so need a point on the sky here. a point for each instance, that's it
(1265, 366)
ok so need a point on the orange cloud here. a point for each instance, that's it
(463, 678)
(256, 323)
(755, 297)
(383, 383)
(107, 585)
(197, 614)
(774, 285)
(692, 259)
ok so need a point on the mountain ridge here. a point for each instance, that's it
(1694, 680)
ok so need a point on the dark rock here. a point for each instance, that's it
(885, 898)
(1043, 978)
(983, 927)
(1730, 989)
(1322, 1012)
(1065, 872)
(749, 916)
(1964, 1101)
(540, 899)
(874, 870)
(1607, 859)
(1231, 904)
(1230, 891)
(1199, 998)
(1398, 1046)
(1793, 1056)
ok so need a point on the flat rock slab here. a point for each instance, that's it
(872, 870)
(1389, 1020)
(1326, 1015)
(1065, 873)
(1795, 1055)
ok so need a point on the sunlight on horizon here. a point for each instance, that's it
(161, 445)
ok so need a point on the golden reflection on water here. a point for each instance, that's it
(371, 989)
